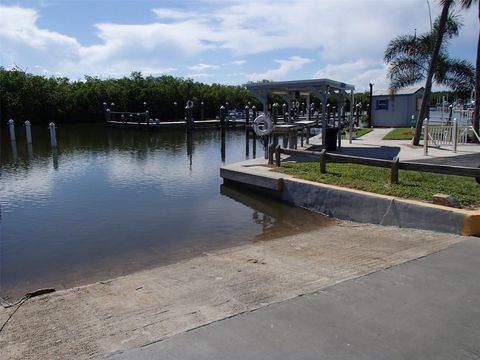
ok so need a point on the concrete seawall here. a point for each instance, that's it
(350, 204)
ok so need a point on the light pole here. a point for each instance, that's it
(430, 15)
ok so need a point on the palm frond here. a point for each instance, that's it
(398, 46)
(466, 4)
(403, 72)
(441, 68)
(459, 75)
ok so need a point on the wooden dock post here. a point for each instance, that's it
(277, 156)
(275, 113)
(323, 161)
(394, 171)
(271, 150)
(223, 115)
(292, 139)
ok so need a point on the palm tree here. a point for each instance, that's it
(425, 106)
(476, 111)
(408, 56)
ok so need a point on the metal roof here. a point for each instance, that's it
(404, 91)
(300, 85)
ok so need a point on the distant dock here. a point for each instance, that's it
(181, 124)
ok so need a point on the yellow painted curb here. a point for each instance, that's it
(471, 224)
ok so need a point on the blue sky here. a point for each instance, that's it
(228, 42)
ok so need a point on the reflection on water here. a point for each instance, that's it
(275, 220)
(112, 201)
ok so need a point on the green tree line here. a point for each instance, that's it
(42, 99)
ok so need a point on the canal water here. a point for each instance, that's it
(113, 201)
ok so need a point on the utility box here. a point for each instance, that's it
(331, 139)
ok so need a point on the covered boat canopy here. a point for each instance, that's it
(293, 90)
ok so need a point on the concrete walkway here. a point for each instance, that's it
(423, 309)
(373, 145)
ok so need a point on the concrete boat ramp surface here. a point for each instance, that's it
(110, 317)
(423, 309)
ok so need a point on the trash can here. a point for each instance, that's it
(331, 139)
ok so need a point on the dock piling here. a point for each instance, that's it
(53, 135)
(28, 132)
(11, 125)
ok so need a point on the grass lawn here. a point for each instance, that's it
(400, 134)
(412, 184)
(360, 132)
(407, 134)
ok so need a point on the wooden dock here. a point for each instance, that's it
(157, 125)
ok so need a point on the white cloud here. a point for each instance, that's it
(239, 62)
(151, 45)
(359, 73)
(173, 14)
(150, 48)
(18, 25)
(286, 67)
(202, 67)
(24, 44)
(199, 75)
(236, 74)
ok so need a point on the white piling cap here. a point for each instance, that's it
(51, 124)
(27, 123)
(11, 121)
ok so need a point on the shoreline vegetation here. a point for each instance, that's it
(412, 185)
(59, 99)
